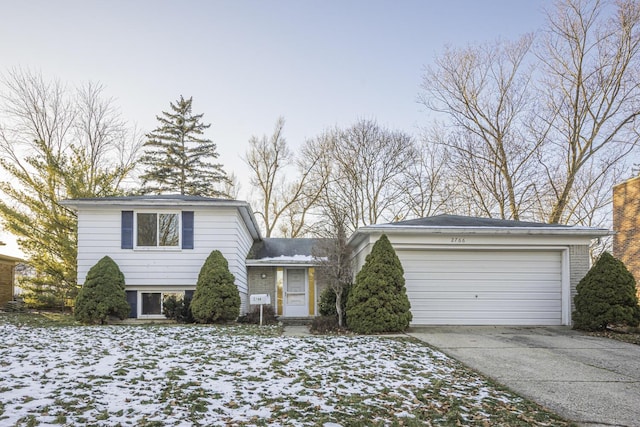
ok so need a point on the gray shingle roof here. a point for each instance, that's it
(278, 247)
(468, 221)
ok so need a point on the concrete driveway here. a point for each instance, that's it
(592, 381)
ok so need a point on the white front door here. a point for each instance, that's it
(295, 293)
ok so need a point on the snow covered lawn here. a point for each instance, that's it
(238, 375)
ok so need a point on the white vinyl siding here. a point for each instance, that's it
(484, 287)
(216, 227)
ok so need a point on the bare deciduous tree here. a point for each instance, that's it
(284, 203)
(56, 144)
(591, 86)
(541, 144)
(426, 184)
(332, 255)
(485, 93)
(368, 166)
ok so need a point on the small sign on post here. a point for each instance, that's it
(260, 299)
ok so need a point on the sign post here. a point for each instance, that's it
(260, 299)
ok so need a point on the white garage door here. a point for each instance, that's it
(460, 287)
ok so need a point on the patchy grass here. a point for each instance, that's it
(38, 319)
(238, 375)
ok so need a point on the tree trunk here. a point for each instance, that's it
(339, 306)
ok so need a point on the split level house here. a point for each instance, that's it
(458, 270)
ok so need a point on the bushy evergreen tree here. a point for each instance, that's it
(178, 159)
(606, 295)
(216, 298)
(378, 300)
(103, 294)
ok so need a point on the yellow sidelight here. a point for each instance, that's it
(279, 285)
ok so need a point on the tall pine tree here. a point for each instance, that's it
(178, 159)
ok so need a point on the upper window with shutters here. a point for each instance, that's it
(157, 230)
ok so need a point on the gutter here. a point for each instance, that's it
(522, 231)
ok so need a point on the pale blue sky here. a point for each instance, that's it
(317, 63)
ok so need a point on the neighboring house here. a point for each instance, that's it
(285, 270)
(478, 271)
(626, 225)
(7, 278)
(161, 242)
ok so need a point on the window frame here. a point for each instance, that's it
(157, 247)
(163, 294)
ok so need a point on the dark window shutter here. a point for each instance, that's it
(127, 230)
(187, 229)
(132, 299)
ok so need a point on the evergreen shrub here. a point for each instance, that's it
(216, 299)
(378, 300)
(327, 303)
(102, 295)
(178, 309)
(606, 296)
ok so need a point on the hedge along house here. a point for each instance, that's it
(285, 269)
(161, 242)
(478, 271)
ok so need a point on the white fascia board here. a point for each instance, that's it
(78, 203)
(250, 221)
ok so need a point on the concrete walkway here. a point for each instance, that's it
(592, 381)
(296, 331)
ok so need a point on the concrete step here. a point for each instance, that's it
(295, 321)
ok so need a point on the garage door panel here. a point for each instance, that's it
(483, 287)
(489, 305)
(482, 267)
(485, 297)
(483, 276)
(498, 285)
(479, 255)
(479, 271)
(485, 318)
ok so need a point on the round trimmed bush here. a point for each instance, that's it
(103, 294)
(216, 298)
(606, 295)
(378, 300)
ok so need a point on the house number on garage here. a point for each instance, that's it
(457, 240)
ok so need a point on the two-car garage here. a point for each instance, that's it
(480, 271)
(484, 287)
